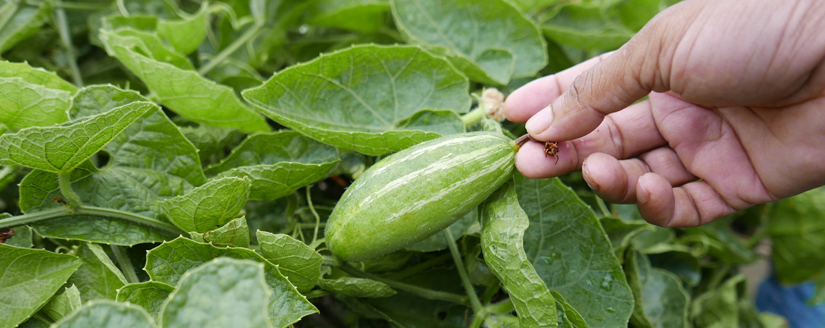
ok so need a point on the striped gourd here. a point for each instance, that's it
(417, 192)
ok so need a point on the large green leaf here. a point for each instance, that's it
(62, 148)
(208, 206)
(490, 41)
(503, 223)
(63, 303)
(149, 295)
(277, 163)
(98, 277)
(298, 262)
(356, 15)
(797, 232)
(356, 98)
(149, 161)
(661, 300)
(36, 76)
(182, 90)
(224, 292)
(234, 233)
(585, 26)
(572, 254)
(29, 278)
(107, 314)
(19, 20)
(167, 262)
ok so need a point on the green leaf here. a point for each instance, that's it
(36, 76)
(503, 223)
(24, 104)
(355, 98)
(149, 295)
(62, 148)
(98, 277)
(680, 262)
(584, 26)
(297, 261)
(621, 232)
(439, 121)
(572, 254)
(438, 241)
(212, 143)
(63, 303)
(797, 234)
(277, 163)
(149, 161)
(185, 35)
(721, 242)
(718, 307)
(221, 293)
(167, 262)
(357, 287)
(107, 314)
(482, 38)
(208, 206)
(661, 300)
(181, 90)
(568, 317)
(29, 278)
(20, 20)
(22, 236)
(356, 15)
(235, 233)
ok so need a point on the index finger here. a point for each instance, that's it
(536, 95)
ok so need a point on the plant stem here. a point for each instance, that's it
(70, 5)
(6, 16)
(66, 37)
(65, 182)
(248, 35)
(420, 291)
(473, 116)
(125, 264)
(603, 206)
(478, 309)
(7, 175)
(62, 211)
(491, 292)
(314, 213)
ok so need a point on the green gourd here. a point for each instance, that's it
(417, 192)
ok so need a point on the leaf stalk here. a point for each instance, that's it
(66, 38)
(62, 211)
(65, 182)
(478, 309)
(125, 264)
(420, 291)
(234, 46)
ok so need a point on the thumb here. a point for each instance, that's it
(616, 82)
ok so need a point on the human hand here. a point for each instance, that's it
(735, 114)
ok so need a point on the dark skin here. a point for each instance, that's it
(735, 114)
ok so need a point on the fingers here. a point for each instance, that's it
(623, 135)
(609, 86)
(536, 95)
(615, 181)
(691, 205)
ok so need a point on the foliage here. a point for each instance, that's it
(174, 164)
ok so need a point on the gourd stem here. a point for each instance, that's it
(473, 116)
(125, 264)
(420, 291)
(478, 309)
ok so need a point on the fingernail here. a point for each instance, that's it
(586, 172)
(642, 194)
(540, 122)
